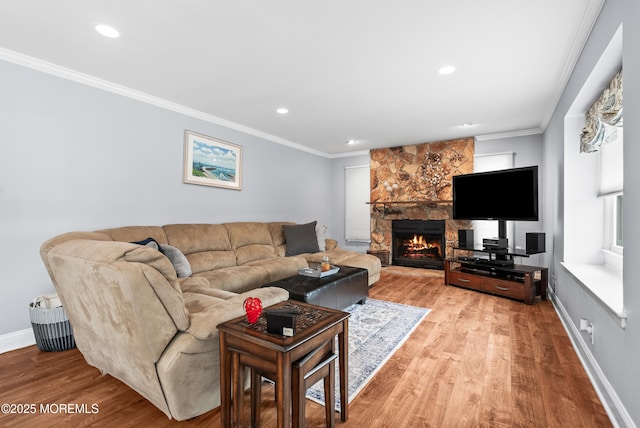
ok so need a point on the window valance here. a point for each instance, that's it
(604, 118)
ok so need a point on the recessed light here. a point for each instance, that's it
(448, 69)
(282, 110)
(351, 142)
(467, 125)
(107, 31)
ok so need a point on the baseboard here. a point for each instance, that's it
(611, 402)
(16, 340)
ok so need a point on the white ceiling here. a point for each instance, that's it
(346, 69)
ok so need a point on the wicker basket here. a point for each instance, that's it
(51, 328)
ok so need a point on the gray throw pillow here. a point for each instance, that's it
(300, 238)
(179, 260)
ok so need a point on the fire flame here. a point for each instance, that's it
(419, 245)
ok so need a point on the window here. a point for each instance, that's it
(592, 187)
(612, 223)
(358, 217)
(618, 221)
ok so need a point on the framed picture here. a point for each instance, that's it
(212, 162)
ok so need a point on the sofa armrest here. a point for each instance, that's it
(122, 303)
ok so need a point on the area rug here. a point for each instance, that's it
(376, 330)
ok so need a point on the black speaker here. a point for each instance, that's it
(535, 242)
(465, 238)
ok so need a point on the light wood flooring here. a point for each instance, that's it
(475, 361)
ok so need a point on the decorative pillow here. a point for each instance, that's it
(149, 242)
(320, 232)
(300, 238)
(179, 260)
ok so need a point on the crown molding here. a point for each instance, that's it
(510, 134)
(349, 154)
(105, 85)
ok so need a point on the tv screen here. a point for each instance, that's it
(508, 194)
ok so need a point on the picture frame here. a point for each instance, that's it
(210, 161)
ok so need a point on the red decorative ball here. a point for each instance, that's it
(253, 309)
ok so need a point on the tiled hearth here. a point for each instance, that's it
(414, 183)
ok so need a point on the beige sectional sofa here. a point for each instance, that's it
(149, 317)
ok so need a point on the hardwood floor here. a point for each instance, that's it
(475, 361)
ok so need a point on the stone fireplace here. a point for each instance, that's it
(414, 183)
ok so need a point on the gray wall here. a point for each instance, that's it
(73, 157)
(613, 359)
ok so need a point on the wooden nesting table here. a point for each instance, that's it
(276, 354)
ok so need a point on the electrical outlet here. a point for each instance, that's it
(587, 327)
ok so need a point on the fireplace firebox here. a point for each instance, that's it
(418, 243)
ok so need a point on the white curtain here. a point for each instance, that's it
(611, 166)
(357, 226)
(604, 117)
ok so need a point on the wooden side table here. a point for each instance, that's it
(276, 354)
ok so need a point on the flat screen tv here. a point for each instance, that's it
(508, 194)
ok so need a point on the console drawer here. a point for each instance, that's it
(465, 280)
(504, 288)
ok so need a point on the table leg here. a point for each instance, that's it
(343, 352)
(297, 397)
(256, 397)
(238, 388)
(330, 393)
(225, 382)
(283, 389)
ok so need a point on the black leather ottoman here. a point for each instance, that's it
(338, 291)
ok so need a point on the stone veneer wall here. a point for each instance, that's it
(421, 186)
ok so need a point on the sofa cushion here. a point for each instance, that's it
(277, 236)
(195, 238)
(206, 312)
(206, 246)
(177, 259)
(280, 267)
(211, 260)
(237, 278)
(301, 238)
(251, 241)
(335, 257)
